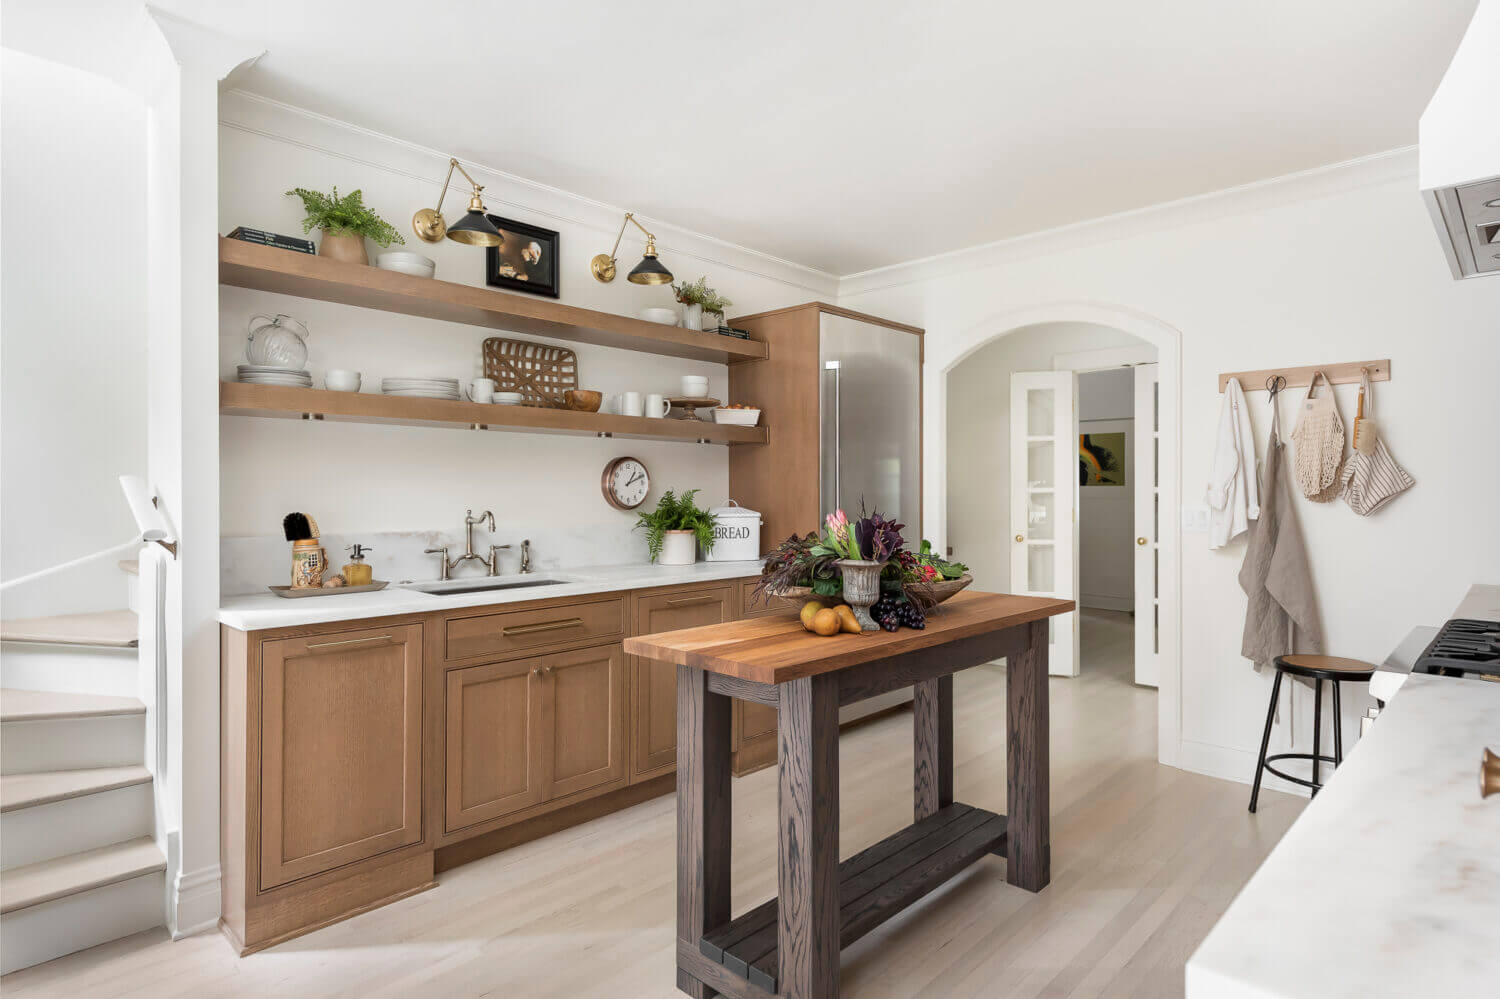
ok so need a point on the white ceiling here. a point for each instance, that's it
(852, 135)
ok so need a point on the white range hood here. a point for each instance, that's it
(1458, 151)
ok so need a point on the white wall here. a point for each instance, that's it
(1336, 265)
(1106, 514)
(978, 397)
(73, 349)
(366, 479)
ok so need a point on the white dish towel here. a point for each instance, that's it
(1233, 492)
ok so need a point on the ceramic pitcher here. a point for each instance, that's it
(309, 561)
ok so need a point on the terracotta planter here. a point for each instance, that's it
(678, 548)
(343, 246)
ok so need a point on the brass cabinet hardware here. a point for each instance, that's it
(531, 629)
(1020, 537)
(1489, 774)
(1140, 541)
(541, 671)
(348, 641)
(690, 601)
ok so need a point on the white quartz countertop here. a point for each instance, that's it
(258, 611)
(1389, 882)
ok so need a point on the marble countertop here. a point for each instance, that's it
(265, 610)
(1389, 882)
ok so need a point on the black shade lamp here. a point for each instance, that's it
(648, 271)
(473, 229)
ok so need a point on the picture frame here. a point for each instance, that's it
(527, 260)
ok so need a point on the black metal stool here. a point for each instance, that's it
(1317, 669)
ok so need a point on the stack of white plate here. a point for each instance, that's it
(421, 388)
(261, 374)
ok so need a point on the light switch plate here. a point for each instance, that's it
(1195, 519)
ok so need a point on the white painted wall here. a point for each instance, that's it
(978, 397)
(1337, 264)
(366, 479)
(72, 329)
(1106, 514)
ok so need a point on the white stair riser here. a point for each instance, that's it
(71, 669)
(87, 822)
(28, 747)
(41, 932)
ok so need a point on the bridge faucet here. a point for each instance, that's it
(469, 553)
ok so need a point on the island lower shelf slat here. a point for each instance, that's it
(874, 885)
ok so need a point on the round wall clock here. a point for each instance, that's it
(625, 483)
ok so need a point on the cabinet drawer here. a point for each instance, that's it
(760, 606)
(522, 632)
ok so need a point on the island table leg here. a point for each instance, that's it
(1028, 825)
(932, 745)
(808, 841)
(703, 815)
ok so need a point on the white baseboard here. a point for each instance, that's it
(1228, 763)
(196, 902)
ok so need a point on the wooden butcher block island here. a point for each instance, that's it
(789, 946)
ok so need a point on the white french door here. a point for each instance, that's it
(1044, 501)
(1148, 526)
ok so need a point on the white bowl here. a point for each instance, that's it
(339, 380)
(737, 417)
(406, 263)
(508, 398)
(667, 317)
(695, 386)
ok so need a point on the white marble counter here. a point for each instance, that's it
(265, 610)
(1389, 882)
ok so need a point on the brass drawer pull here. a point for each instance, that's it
(691, 601)
(532, 629)
(348, 641)
(1489, 774)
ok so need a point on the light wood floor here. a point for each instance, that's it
(1144, 859)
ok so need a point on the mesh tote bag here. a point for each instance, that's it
(1370, 481)
(1318, 440)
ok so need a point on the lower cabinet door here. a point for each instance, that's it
(340, 749)
(585, 697)
(654, 684)
(496, 744)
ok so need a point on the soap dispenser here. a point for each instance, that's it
(358, 572)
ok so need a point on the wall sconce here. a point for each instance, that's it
(648, 271)
(473, 229)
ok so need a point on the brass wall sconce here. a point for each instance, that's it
(473, 229)
(648, 271)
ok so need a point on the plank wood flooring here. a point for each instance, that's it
(1144, 859)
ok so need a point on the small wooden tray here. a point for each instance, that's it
(318, 591)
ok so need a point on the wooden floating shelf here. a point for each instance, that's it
(287, 272)
(240, 399)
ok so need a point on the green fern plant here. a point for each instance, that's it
(346, 216)
(715, 304)
(677, 513)
(692, 292)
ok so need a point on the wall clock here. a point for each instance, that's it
(625, 483)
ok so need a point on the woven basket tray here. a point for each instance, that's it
(541, 372)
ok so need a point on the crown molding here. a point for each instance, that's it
(1320, 182)
(252, 113)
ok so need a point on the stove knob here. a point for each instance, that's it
(1489, 774)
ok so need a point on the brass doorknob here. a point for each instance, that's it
(1489, 774)
(1140, 541)
(1020, 537)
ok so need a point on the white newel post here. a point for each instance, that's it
(179, 72)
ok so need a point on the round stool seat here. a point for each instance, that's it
(1325, 667)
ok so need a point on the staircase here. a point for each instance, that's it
(79, 859)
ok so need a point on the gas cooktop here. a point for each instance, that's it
(1463, 647)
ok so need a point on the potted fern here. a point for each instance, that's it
(677, 528)
(714, 305)
(345, 222)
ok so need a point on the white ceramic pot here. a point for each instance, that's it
(678, 548)
(692, 317)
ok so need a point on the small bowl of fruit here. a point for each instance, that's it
(737, 415)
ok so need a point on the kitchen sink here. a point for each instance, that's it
(447, 587)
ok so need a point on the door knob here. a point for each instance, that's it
(1020, 537)
(1489, 774)
(1140, 541)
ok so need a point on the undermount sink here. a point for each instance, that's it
(447, 587)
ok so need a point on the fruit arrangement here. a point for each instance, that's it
(892, 613)
(829, 621)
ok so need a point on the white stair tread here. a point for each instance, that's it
(22, 887)
(41, 705)
(118, 629)
(131, 565)
(26, 790)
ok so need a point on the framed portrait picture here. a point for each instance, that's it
(526, 261)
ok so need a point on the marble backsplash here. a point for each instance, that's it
(250, 564)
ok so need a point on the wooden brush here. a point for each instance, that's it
(1365, 433)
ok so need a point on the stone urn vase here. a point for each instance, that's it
(861, 588)
(348, 247)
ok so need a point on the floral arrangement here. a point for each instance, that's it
(812, 560)
(699, 293)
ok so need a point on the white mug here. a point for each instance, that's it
(483, 390)
(695, 386)
(630, 404)
(657, 406)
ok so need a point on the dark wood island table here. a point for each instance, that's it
(789, 946)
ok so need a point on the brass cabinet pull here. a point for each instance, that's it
(348, 641)
(541, 670)
(531, 629)
(1489, 774)
(1020, 537)
(690, 601)
(1140, 541)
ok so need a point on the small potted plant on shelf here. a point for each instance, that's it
(677, 528)
(714, 305)
(345, 222)
(697, 298)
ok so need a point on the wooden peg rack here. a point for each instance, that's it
(1343, 373)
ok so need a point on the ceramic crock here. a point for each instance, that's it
(736, 534)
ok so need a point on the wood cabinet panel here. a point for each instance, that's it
(586, 704)
(341, 749)
(654, 684)
(526, 632)
(495, 742)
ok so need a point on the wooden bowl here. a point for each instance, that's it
(941, 590)
(945, 588)
(583, 401)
